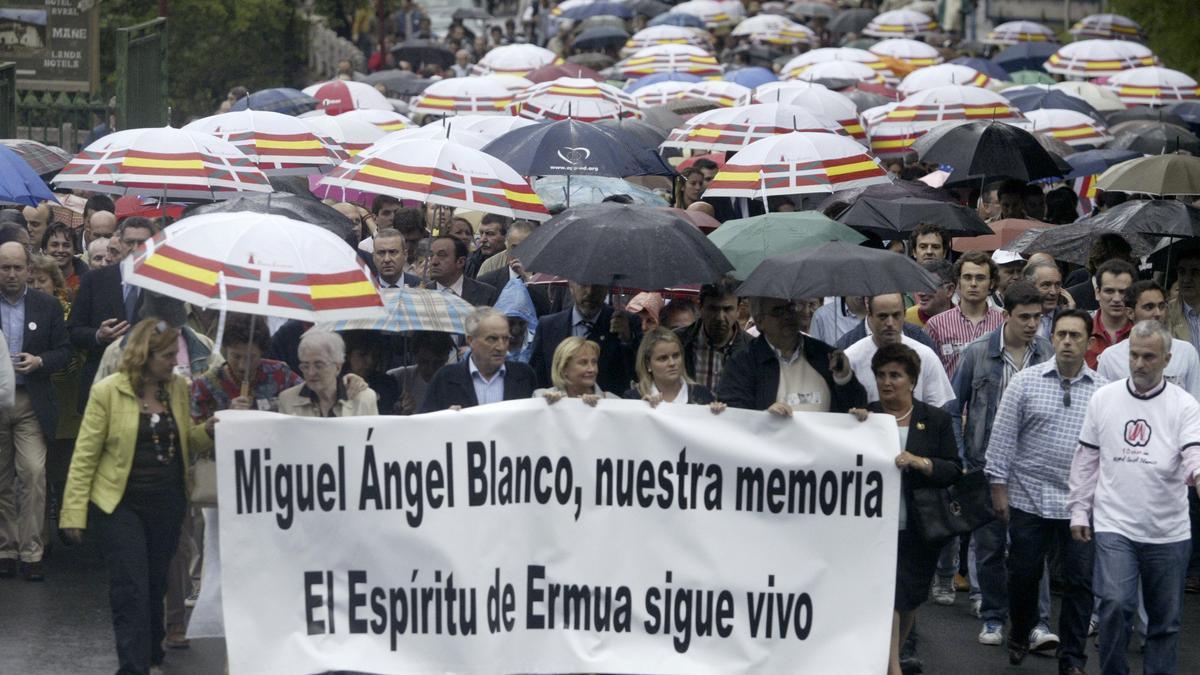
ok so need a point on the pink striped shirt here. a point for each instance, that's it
(952, 331)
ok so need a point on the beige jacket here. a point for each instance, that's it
(292, 402)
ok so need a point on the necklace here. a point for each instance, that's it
(162, 397)
(901, 418)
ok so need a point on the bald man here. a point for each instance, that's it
(101, 224)
(37, 218)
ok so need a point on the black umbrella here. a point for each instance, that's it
(622, 246)
(1153, 138)
(398, 82)
(420, 52)
(851, 20)
(836, 203)
(297, 207)
(1072, 243)
(1025, 56)
(649, 8)
(812, 10)
(887, 218)
(640, 131)
(1143, 112)
(600, 37)
(836, 268)
(1094, 162)
(1154, 217)
(991, 149)
(573, 148)
(1038, 98)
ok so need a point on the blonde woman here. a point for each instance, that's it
(661, 377)
(573, 371)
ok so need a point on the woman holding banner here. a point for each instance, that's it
(127, 484)
(661, 378)
(573, 371)
(929, 458)
(322, 354)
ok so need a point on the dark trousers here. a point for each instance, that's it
(1030, 538)
(1193, 568)
(138, 539)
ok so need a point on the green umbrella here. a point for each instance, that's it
(749, 241)
(1030, 77)
(1158, 175)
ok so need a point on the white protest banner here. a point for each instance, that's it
(532, 538)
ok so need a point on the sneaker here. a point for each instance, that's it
(977, 607)
(191, 600)
(1042, 640)
(943, 591)
(992, 633)
(1093, 628)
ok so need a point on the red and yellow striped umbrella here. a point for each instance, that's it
(797, 163)
(816, 99)
(515, 59)
(280, 145)
(386, 120)
(1107, 27)
(256, 263)
(1012, 32)
(463, 96)
(909, 119)
(735, 128)
(440, 172)
(1098, 58)
(798, 65)
(722, 92)
(345, 135)
(1154, 85)
(582, 99)
(1073, 128)
(941, 75)
(900, 23)
(839, 70)
(912, 53)
(666, 35)
(670, 59)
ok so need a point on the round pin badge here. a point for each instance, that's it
(32, 325)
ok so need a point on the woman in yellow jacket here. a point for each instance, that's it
(128, 484)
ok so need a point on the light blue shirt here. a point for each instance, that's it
(578, 327)
(12, 320)
(487, 391)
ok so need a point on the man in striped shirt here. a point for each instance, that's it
(954, 329)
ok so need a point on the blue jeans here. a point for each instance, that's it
(990, 546)
(1119, 563)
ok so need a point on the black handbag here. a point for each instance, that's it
(942, 513)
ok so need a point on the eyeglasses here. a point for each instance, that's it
(1066, 387)
(781, 311)
(314, 365)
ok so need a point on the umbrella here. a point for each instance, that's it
(402, 82)
(572, 147)
(774, 29)
(338, 96)
(43, 159)
(1154, 85)
(1030, 77)
(413, 309)
(736, 128)
(458, 95)
(1057, 148)
(1143, 112)
(1154, 217)
(837, 70)
(837, 268)
(515, 59)
(1153, 138)
(746, 242)
(796, 163)
(899, 23)
(513, 84)
(940, 76)
(277, 144)
(638, 132)
(422, 52)
(255, 263)
(1073, 128)
(1162, 176)
(582, 99)
(163, 162)
(633, 85)
(1094, 162)
(600, 37)
(851, 20)
(1025, 56)
(991, 149)
(711, 12)
(296, 207)
(624, 246)
(910, 119)
(443, 173)
(555, 194)
(661, 93)
(445, 128)
(985, 66)
(1100, 98)
(723, 93)
(703, 222)
(490, 127)
(794, 67)
(1018, 32)
(816, 99)
(1072, 243)
(649, 8)
(899, 189)
(19, 184)
(280, 100)
(887, 218)
(812, 10)
(909, 52)
(385, 120)
(654, 36)
(1005, 232)
(1096, 58)
(555, 71)
(676, 19)
(1108, 27)
(590, 9)
(351, 135)
(1028, 99)
(1188, 111)
(669, 59)
(751, 76)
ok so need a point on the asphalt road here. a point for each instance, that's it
(62, 627)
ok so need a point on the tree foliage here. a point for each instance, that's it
(1171, 29)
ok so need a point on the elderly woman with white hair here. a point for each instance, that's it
(323, 393)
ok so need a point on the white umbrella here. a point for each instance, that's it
(386, 120)
(711, 12)
(816, 99)
(462, 95)
(666, 35)
(941, 75)
(839, 70)
(1069, 126)
(1107, 27)
(912, 52)
(899, 23)
(825, 54)
(576, 98)
(351, 135)
(516, 59)
(1012, 32)
(722, 92)
(669, 59)
(279, 145)
(1153, 85)
(1100, 98)
(1098, 58)
(797, 163)
(735, 128)
(661, 93)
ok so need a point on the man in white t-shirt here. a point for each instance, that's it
(1147, 301)
(1139, 449)
(885, 318)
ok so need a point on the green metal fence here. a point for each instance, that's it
(142, 75)
(8, 100)
(57, 118)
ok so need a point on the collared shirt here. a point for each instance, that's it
(1101, 339)
(12, 315)
(581, 326)
(398, 283)
(1035, 434)
(681, 397)
(487, 391)
(1046, 325)
(710, 358)
(831, 321)
(1011, 368)
(952, 331)
(216, 389)
(455, 288)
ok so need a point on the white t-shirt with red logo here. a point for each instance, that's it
(1142, 489)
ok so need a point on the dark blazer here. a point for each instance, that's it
(689, 336)
(539, 294)
(860, 331)
(46, 336)
(100, 297)
(476, 292)
(750, 378)
(930, 434)
(452, 385)
(698, 394)
(408, 280)
(616, 364)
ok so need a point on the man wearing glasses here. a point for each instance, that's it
(1028, 463)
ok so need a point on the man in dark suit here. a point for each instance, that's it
(546, 299)
(105, 307)
(38, 344)
(447, 260)
(784, 370)
(390, 255)
(487, 376)
(617, 333)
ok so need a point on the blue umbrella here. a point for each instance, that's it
(1188, 111)
(574, 148)
(989, 68)
(591, 190)
(1039, 98)
(634, 85)
(600, 37)
(281, 100)
(677, 19)
(1025, 56)
(582, 12)
(18, 182)
(1091, 162)
(750, 77)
